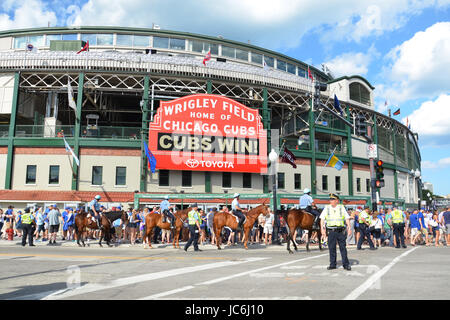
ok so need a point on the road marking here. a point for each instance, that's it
(61, 294)
(375, 277)
(166, 293)
(74, 257)
(276, 274)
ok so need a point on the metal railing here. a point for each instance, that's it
(4, 130)
(111, 132)
(42, 131)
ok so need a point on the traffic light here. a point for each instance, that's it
(319, 86)
(379, 181)
(360, 125)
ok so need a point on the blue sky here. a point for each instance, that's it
(402, 47)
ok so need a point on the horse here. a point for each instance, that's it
(222, 219)
(299, 218)
(154, 219)
(81, 223)
(106, 222)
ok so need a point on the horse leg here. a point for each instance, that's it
(246, 235)
(319, 236)
(307, 241)
(101, 238)
(218, 237)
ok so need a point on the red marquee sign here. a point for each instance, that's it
(205, 132)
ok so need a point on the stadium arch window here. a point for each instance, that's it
(70, 36)
(20, 42)
(141, 41)
(125, 40)
(37, 41)
(241, 54)
(92, 38)
(359, 93)
(291, 68)
(256, 58)
(177, 44)
(204, 47)
(281, 65)
(51, 37)
(161, 42)
(228, 52)
(269, 61)
(105, 39)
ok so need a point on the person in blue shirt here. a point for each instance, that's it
(94, 210)
(165, 209)
(237, 211)
(306, 203)
(415, 226)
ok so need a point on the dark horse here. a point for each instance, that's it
(154, 219)
(222, 219)
(82, 222)
(299, 218)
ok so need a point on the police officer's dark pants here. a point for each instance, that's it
(399, 233)
(364, 234)
(315, 213)
(27, 231)
(240, 215)
(337, 236)
(171, 216)
(193, 237)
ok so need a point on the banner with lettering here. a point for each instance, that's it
(206, 132)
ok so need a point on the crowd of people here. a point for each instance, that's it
(421, 227)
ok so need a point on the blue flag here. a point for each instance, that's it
(151, 158)
(337, 105)
(334, 161)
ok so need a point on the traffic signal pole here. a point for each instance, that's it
(372, 172)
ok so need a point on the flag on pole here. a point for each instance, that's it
(396, 113)
(72, 103)
(408, 124)
(31, 48)
(151, 158)
(69, 149)
(207, 57)
(337, 105)
(310, 75)
(265, 66)
(85, 48)
(288, 157)
(334, 161)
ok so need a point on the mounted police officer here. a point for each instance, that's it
(364, 222)
(194, 228)
(94, 210)
(165, 209)
(28, 226)
(334, 218)
(237, 211)
(306, 203)
(398, 222)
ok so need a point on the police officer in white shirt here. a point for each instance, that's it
(306, 203)
(336, 219)
(237, 211)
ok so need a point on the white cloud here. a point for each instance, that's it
(420, 66)
(352, 63)
(440, 164)
(26, 14)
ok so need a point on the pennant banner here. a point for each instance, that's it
(288, 157)
(69, 149)
(150, 158)
(72, 103)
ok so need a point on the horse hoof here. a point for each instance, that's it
(291, 252)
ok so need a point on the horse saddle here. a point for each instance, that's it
(237, 218)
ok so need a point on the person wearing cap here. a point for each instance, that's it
(306, 203)
(165, 209)
(398, 223)
(364, 223)
(27, 227)
(334, 219)
(194, 228)
(94, 210)
(237, 211)
(210, 225)
(54, 218)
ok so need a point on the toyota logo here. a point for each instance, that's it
(192, 163)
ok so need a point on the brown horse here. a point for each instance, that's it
(154, 219)
(82, 222)
(107, 220)
(296, 218)
(222, 219)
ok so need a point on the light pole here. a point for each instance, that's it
(273, 157)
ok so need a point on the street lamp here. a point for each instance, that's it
(273, 157)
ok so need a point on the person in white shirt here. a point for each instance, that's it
(268, 227)
(237, 211)
(306, 203)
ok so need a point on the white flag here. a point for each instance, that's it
(72, 103)
(69, 149)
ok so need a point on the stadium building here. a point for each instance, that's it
(120, 86)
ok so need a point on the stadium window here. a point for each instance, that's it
(177, 44)
(337, 181)
(197, 46)
(186, 178)
(125, 40)
(97, 175)
(367, 185)
(281, 184)
(91, 37)
(53, 177)
(141, 41)
(226, 179)
(121, 176)
(164, 178)
(297, 181)
(290, 68)
(324, 182)
(37, 41)
(269, 61)
(20, 42)
(281, 65)
(160, 42)
(228, 52)
(358, 184)
(301, 72)
(213, 47)
(246, 180)
(31, 174)
(51, 37)
(256, 58)
(105, 39)
(70, 36)
(359, 93)
(241, 55)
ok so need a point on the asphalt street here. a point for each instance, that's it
(68, 272)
